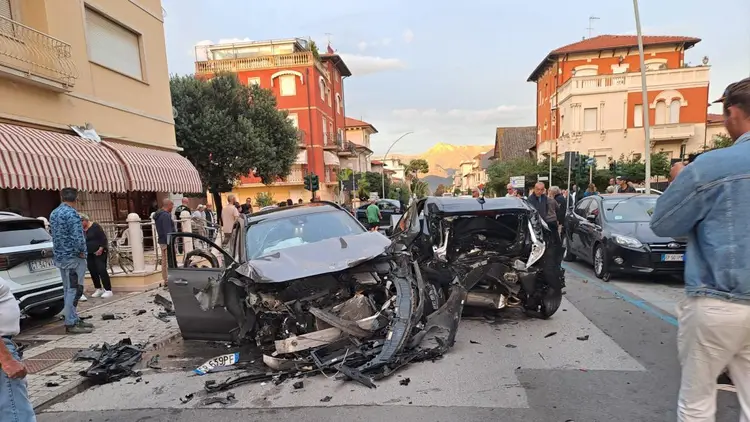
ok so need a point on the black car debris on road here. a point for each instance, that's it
(315, 291)
(612, 233)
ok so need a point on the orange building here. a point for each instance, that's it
(589, 98)
(309, 86)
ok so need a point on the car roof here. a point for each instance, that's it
(626, 195)
(293, 210)
(11, 216)
(458, 204)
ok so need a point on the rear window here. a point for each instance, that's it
(22, 233)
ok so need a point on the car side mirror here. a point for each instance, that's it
(591, 218)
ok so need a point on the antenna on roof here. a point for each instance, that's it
(592, 18)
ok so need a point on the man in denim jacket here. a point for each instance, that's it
(708, 201)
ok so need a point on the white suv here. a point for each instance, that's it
(26, 265)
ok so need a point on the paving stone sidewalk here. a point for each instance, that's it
(49, 352)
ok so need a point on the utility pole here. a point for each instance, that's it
(592, 18)
(382, 175)
(311, 153)
(644, 88)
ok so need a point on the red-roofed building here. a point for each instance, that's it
(306, 84)
(589, 98)
(356, 155)
(714, 126)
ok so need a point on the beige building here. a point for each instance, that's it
(357, 152)
(86, 104)
(714, 127)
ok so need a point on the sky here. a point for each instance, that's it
(453, 71)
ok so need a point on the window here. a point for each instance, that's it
(288, 85)
(581, 207)
(328, 95)
(661, 113)
(638, 115)
(338, 103)
(589, 119)
(674, 111)
(294, 119)
(655, 66)
(112, 45)
(683, 150)
(322, 85)
(325, 129)
(593, 209)
(253, 81)
(545, 125)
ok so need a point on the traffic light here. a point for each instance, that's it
(308, 182)
(315, 180)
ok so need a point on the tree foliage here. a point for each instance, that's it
(456, 191)
(416, 167)
(440, 190)
(400, 191)
(720, 141)
(420, 189)
(264, 199)
(228, 130)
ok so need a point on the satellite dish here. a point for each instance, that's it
(174, 113)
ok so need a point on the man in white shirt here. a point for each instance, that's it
(14, 400)
(229, 215)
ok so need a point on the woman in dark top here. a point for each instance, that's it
(96, 245)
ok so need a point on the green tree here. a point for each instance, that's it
(456, 191)
(499, 173)
(400, 191)
(634, 167)
(719, 141)
(228, 130)
(374, 182)
(416, 167)
(420, 189)
(264, 199)
(440, 190)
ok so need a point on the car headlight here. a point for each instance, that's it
(627, 241)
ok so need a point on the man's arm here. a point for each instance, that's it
(680, 207)
(9, 365)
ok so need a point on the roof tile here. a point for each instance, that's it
(359, 123)
(604, 42)
(512, 142)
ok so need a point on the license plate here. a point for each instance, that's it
(217, 362)
(673, 257)
(40, 265)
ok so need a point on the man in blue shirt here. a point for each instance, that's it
(708, 202)
(69, 252)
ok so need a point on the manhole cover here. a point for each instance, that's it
(48, 359)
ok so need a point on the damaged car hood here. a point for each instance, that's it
(326, 256)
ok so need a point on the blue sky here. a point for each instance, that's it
(453, 71)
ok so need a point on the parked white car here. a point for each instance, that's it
(26, 265)
(643, 190)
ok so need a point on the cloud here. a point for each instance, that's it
(362, 46)
(364, 65)
(408, 36)
(488, 115)
(233, 40)
(383, 42)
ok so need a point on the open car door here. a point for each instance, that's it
(190, 273)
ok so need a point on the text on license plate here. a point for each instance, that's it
(40, 265)
(673, 257)
(218, 361)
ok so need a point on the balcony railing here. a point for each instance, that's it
(672, 131)
(655, 79)
(262, 62)
(329, 140)
(295, 177)
(33, 56)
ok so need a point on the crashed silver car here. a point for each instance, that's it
(314, 290)
(499, 249)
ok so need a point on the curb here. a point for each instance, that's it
(82, 384)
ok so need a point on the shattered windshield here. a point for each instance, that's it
(269, 236)
(630, 210)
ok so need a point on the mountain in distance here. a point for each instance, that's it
(444, 159)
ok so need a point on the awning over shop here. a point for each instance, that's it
(301, 158)
(330, 159)
(39, 159)
(153, 170)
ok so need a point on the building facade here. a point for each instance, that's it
(514, 142)
(589, 98)
(309, 86)
(86, 104)
(357, 152)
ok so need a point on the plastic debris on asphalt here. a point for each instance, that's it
(111, 362)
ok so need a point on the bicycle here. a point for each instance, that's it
(119, 258)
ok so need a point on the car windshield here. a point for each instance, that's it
(22, 233)
(635, 209)
(275, 234)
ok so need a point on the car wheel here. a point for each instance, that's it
(600, 263)
(551, 303)
(567, 255)
(46, 312)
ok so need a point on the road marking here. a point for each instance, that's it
(641, 304)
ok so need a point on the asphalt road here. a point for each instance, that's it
(509, 369)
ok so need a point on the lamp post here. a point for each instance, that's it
(382, 174)
(646, 128)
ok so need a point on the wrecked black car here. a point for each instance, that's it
(498, 247)
(314, 290)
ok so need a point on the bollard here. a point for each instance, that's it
(187, 227)
(135, 239)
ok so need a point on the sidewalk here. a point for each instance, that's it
(49, 352)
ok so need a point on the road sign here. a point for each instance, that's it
(518, 182)
(542, 178)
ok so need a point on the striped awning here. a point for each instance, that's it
(301, 158)
(330, 159)
(153, 170)
(39, 159)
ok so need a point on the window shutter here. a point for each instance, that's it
(5, 9)
(288, 85)
(674, 111)
(661, 113)
(589, 119)
(638, 116)
(113, 46)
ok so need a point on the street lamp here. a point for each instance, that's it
(382, 174)
(646, 128)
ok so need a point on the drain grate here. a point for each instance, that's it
(45, 360)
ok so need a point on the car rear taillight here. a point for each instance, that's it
(5, 263)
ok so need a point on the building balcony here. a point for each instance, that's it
(675, 131)
(629, 82)
(33, 57)
(330, 176)
(302, 140)
(330, 141)
(278, 61)
(295, 177)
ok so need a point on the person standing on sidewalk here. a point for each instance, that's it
(164, 225)
(69, 254)
(229, 216)
(705, 201)
(15, 405)
(373, 216)
(97, 245)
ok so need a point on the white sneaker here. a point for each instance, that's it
(83, 298)
(98, 293)
(106, 294)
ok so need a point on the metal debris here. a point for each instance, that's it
(51, 384)
(164, 303)
(298, 385)
(510, 346)
(326, 399)
(108, 317)
(218, 399)
(187, 398)
(583, 338)
(474, 342)
(550, 334)
(405, 381)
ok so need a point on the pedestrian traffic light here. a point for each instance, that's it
(315, 180)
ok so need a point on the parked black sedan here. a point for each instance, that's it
(388, 207)
(612, 232)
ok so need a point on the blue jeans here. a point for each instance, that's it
(72, 271)
(15, 405)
